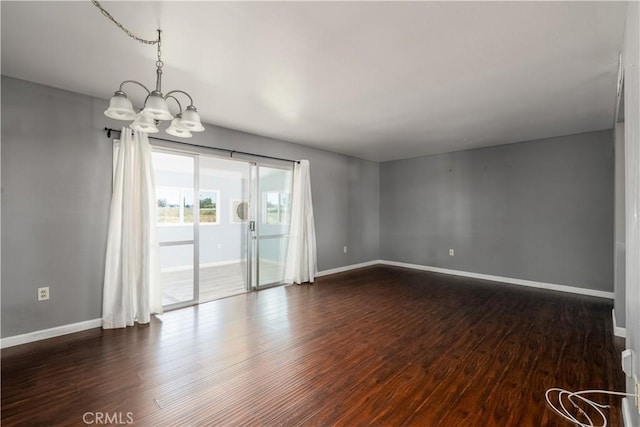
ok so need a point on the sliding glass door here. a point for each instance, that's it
(273, 215)
(223, 225)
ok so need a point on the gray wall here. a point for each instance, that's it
(540, 210)
(631, 59)
(619, 284)
(56, 184)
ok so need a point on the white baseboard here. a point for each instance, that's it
(204, 265)
(220, 263)
(347, 268)
(276, 263)
(49, 333)
(521, 282)
(617, 330)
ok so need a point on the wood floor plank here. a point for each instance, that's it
(376, 346)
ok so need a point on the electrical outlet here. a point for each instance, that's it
(43, 294)
(345, 249)
(451, 252)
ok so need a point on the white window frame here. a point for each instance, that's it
(218, 207)
(280, 212)
(180, 222)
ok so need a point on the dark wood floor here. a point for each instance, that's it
(377, 346)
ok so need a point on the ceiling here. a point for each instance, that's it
(376, 80)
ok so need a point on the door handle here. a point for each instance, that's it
(252, 226)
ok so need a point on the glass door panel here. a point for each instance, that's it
(273, 218)
(223, 227)
(273, 252)
(177, 274)
(176, 184)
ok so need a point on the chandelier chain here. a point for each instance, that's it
(122, 27)
(159, 63)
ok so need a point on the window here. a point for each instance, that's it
(275, 207)
(209, 201)
(175, 205)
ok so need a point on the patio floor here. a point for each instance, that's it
(215, 282)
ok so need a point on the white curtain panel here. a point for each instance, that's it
(132, 288)
(301, 265)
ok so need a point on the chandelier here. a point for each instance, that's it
(155, 107)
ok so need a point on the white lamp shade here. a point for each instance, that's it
(176, 129)
(156, 107)
(120, 107)
(143, 123)
(191, 119)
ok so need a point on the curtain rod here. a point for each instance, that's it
(231, 152)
